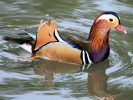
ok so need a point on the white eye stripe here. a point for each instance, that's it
(106, 17)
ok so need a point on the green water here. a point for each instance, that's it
(47, 80)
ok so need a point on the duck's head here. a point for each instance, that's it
(111, 19)
(99, 34)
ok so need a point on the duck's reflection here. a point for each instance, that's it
(48, 76)
(97, 81)
(48, 68)
(97, 78)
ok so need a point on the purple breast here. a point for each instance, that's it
(97, 56)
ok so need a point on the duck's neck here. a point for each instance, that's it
(99, 40)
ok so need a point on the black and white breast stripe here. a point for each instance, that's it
(85, 57)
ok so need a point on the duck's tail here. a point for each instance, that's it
(17, 40)
(26, 43)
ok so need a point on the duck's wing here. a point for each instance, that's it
(72, 39)
(46, 33)
(75, 40)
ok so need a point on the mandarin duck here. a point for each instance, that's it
(47, 42)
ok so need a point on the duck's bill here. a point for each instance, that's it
(119, 28)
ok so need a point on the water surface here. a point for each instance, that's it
(42, 79)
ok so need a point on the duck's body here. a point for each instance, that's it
(48, 43)
(60, 52)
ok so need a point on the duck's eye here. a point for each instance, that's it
(110, 19)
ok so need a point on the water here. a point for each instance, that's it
(42, 79)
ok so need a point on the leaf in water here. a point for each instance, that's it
(46, 15)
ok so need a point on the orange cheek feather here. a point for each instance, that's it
(113, 24)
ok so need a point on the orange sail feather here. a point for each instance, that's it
(45, 34)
